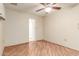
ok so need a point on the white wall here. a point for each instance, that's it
(62, 27)
(16, 27)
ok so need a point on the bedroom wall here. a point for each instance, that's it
(62, 27)
(2, 13)
(1, 39)
(16, 27)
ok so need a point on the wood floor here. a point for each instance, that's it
(39, 48)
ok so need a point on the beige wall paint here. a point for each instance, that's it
(62, 27)
(16, 27)
(2, 11)
(1, 39)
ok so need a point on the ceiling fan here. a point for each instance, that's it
(50, 6)
(47, 7)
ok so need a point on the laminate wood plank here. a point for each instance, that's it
(39, 48)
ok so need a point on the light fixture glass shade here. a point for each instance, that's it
(48, 9)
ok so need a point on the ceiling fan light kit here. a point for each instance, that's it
(48, 9)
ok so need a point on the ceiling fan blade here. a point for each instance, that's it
(54, 3)
(42, 3)
(39, 9)
(13, 4)
(57, 8)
